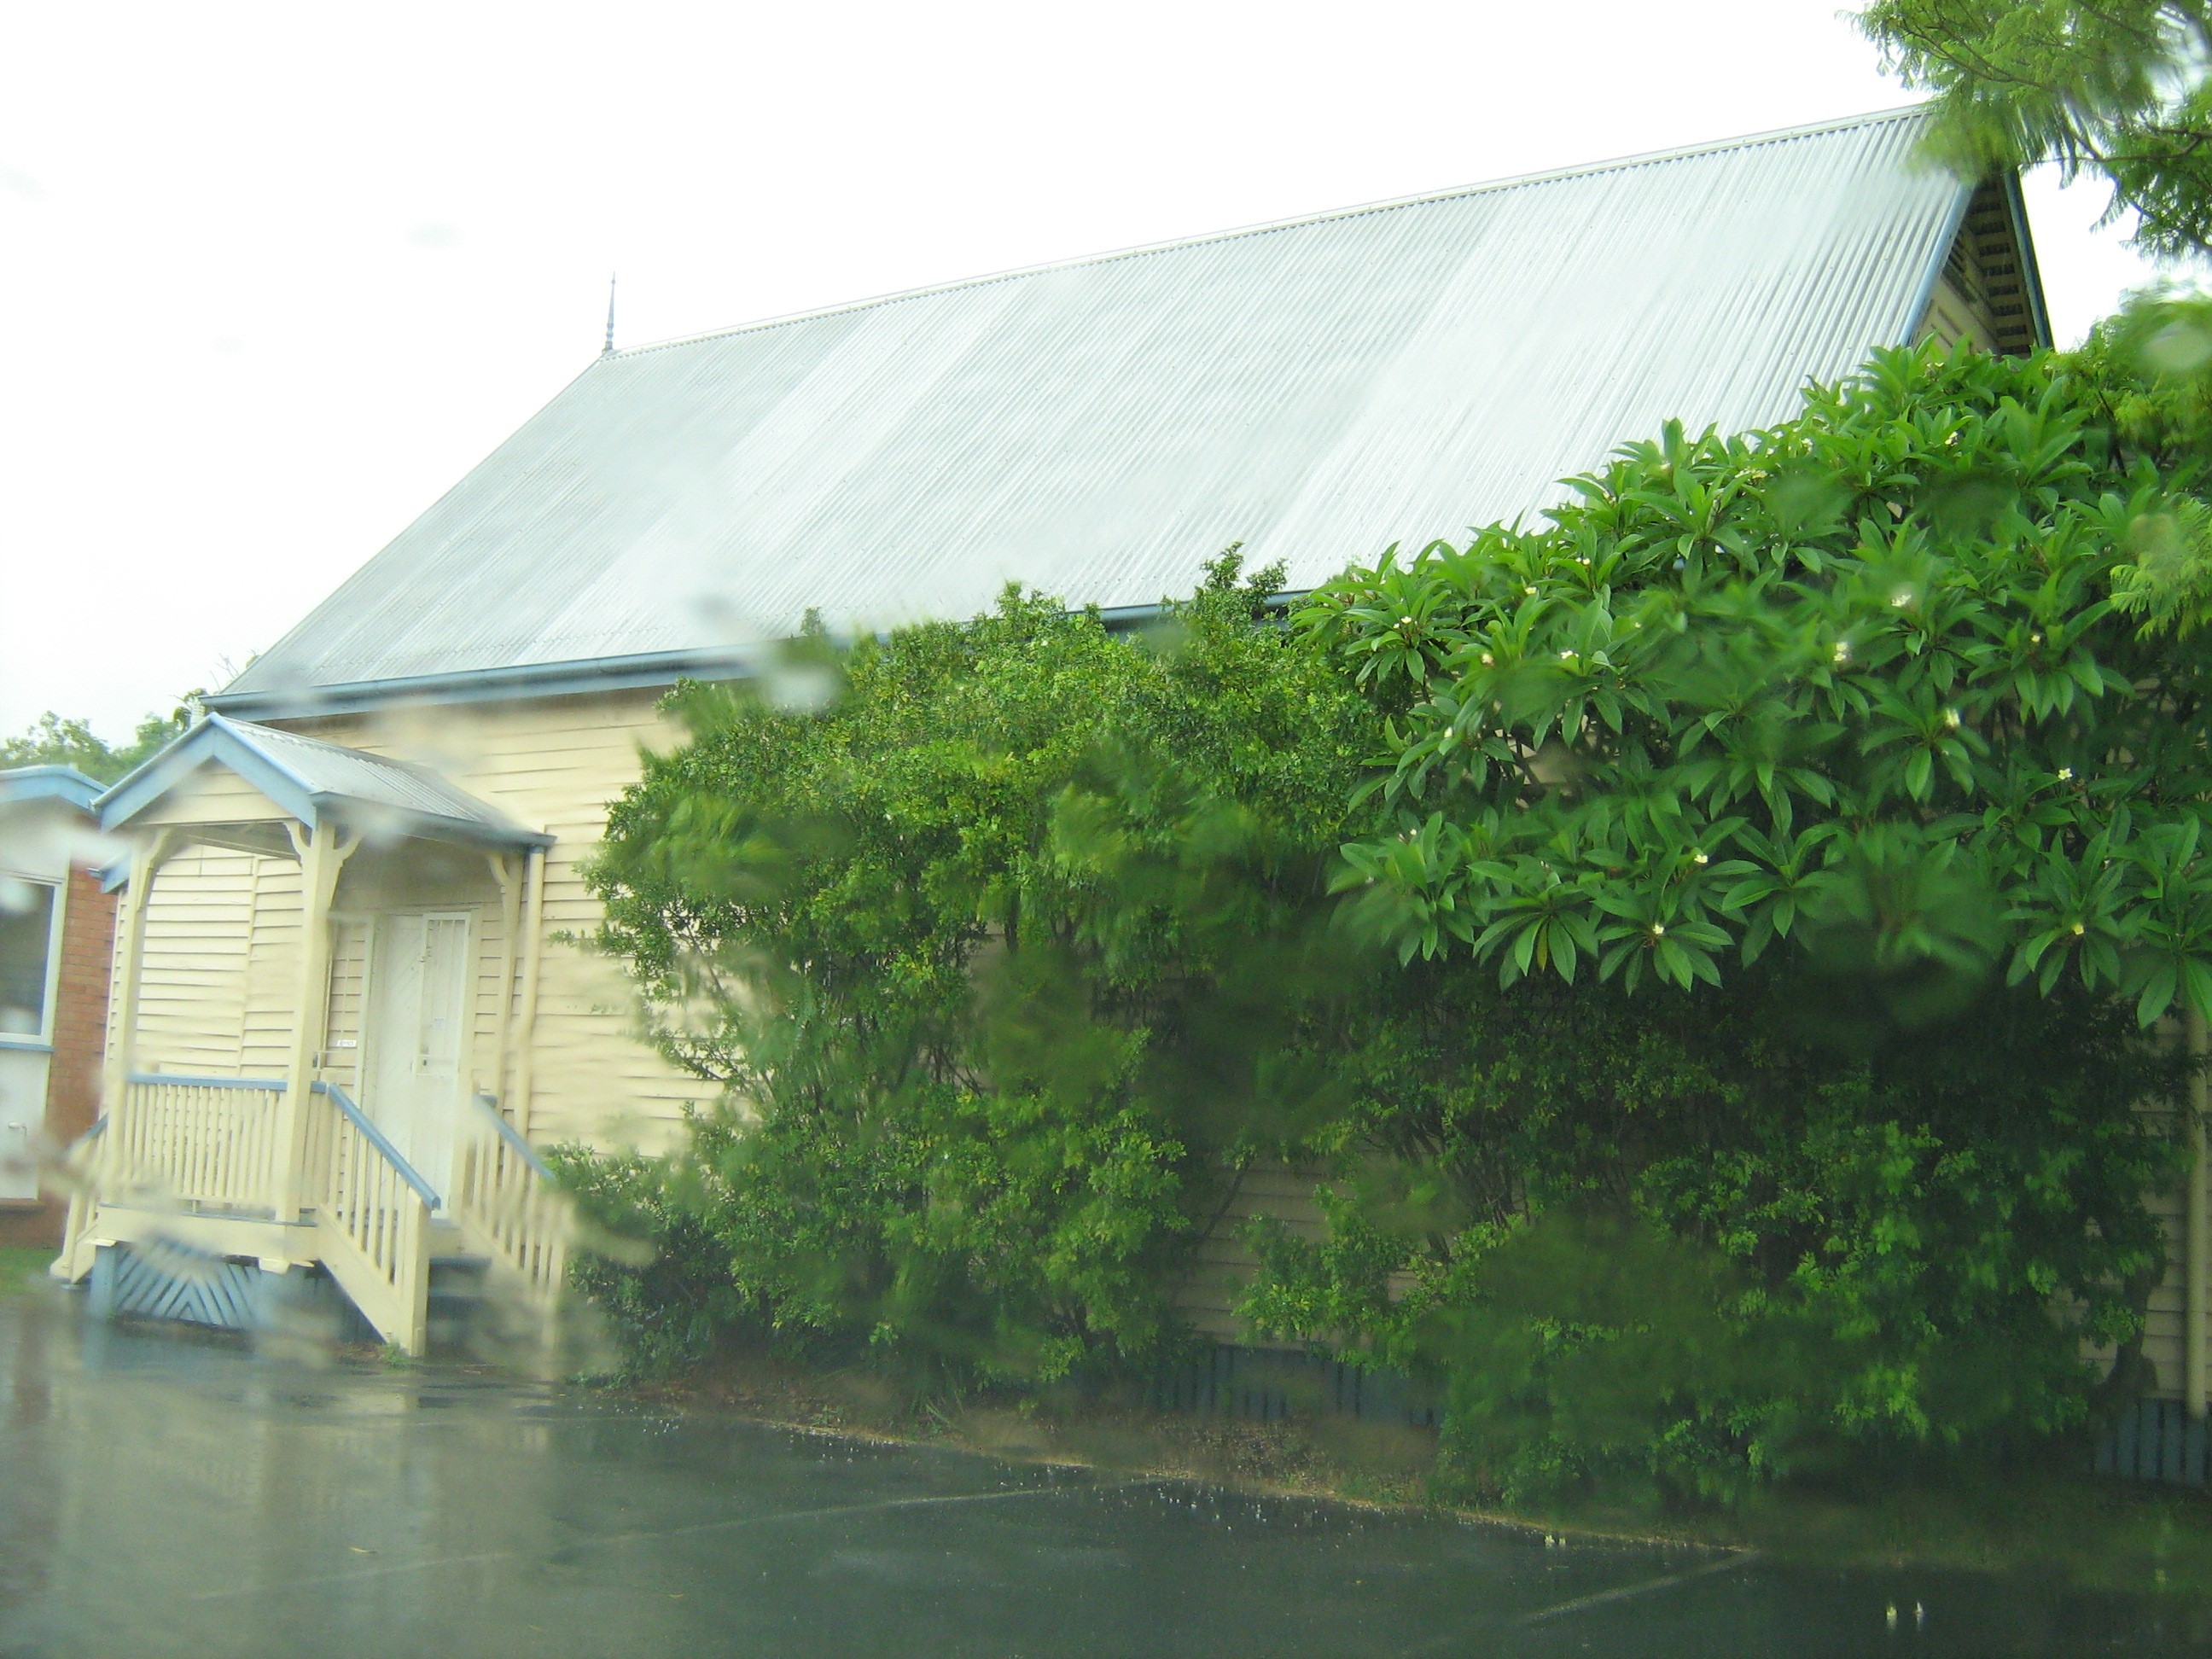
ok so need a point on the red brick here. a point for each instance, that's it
(80, 1043)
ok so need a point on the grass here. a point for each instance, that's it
(2058, 1524)
(22, 1269)
(2054, 1523)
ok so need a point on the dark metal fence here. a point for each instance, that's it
(1266, 1386)
(2156, 1440)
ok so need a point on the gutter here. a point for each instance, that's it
(580, 677)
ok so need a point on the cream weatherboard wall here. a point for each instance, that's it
(223, 931)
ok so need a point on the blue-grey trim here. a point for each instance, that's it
(218, 738)
(213, 739)
(64, 783)
(1924, 296)
(2031, 273)
(370, 1132)
(513, 1137)
(563, 679)
(429, 826)
(13, 1044)
(275, 1084)
(551, 679)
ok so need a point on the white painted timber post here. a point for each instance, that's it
(2195, 1247)
(533, 948)
(508, 873)
(129, 981)
(322, 856)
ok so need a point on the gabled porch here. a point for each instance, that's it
(341, 1081)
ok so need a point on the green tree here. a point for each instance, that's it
(2117, 90)
(999, 951)
(1897, 683)
(1690, 1241)
(1742, 1098)
(1823, 812)
(53, 741)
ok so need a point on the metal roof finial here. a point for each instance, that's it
(610, 350)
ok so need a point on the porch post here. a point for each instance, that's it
(146, 862)
(322, 856)
(509, 875)
(2196, 1249)
(533, 947)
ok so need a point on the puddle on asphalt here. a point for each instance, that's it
(166, 1496)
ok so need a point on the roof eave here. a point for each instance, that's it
(378, 822)
(551, 679)
(63, 783)
(2031, 272)
(217, 738)
(213, 739)
(581, 677)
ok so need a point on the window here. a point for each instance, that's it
(26, 941)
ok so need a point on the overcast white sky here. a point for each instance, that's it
(273, 278)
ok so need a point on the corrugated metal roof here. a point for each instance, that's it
(332, 772)
(1098, 429)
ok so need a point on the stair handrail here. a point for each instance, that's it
(276, 1085)
(372, 1213)
(376, 1137)
(488, 1105)
(508, 1204)
(83, 1200)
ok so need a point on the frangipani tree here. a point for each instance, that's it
(1908, 683)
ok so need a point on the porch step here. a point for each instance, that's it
(456, 1299)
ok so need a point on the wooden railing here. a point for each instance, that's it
(372, 1214)
(507, 1206)
(201, 1142)
(201, 1150)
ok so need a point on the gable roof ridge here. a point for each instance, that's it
(1555, 175)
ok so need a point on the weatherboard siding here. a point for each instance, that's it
(2165, 1324)
(1953, 316)
(211, 794)
(223, 933)
(1225, 1262)
(199, 929)
(554, 764)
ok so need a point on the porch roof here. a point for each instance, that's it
(64, 783)
(318, 782)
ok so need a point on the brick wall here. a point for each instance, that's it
(80, 1044)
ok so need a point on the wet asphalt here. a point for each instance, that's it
(165, 1493)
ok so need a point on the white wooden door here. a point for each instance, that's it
(418, 1031)
(22, 1118)
(30, 951)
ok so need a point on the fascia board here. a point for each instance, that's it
(2031, 272)
(377, 820)
(213, 739)
(63, 783)
(1916, 318)
(561, 679)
